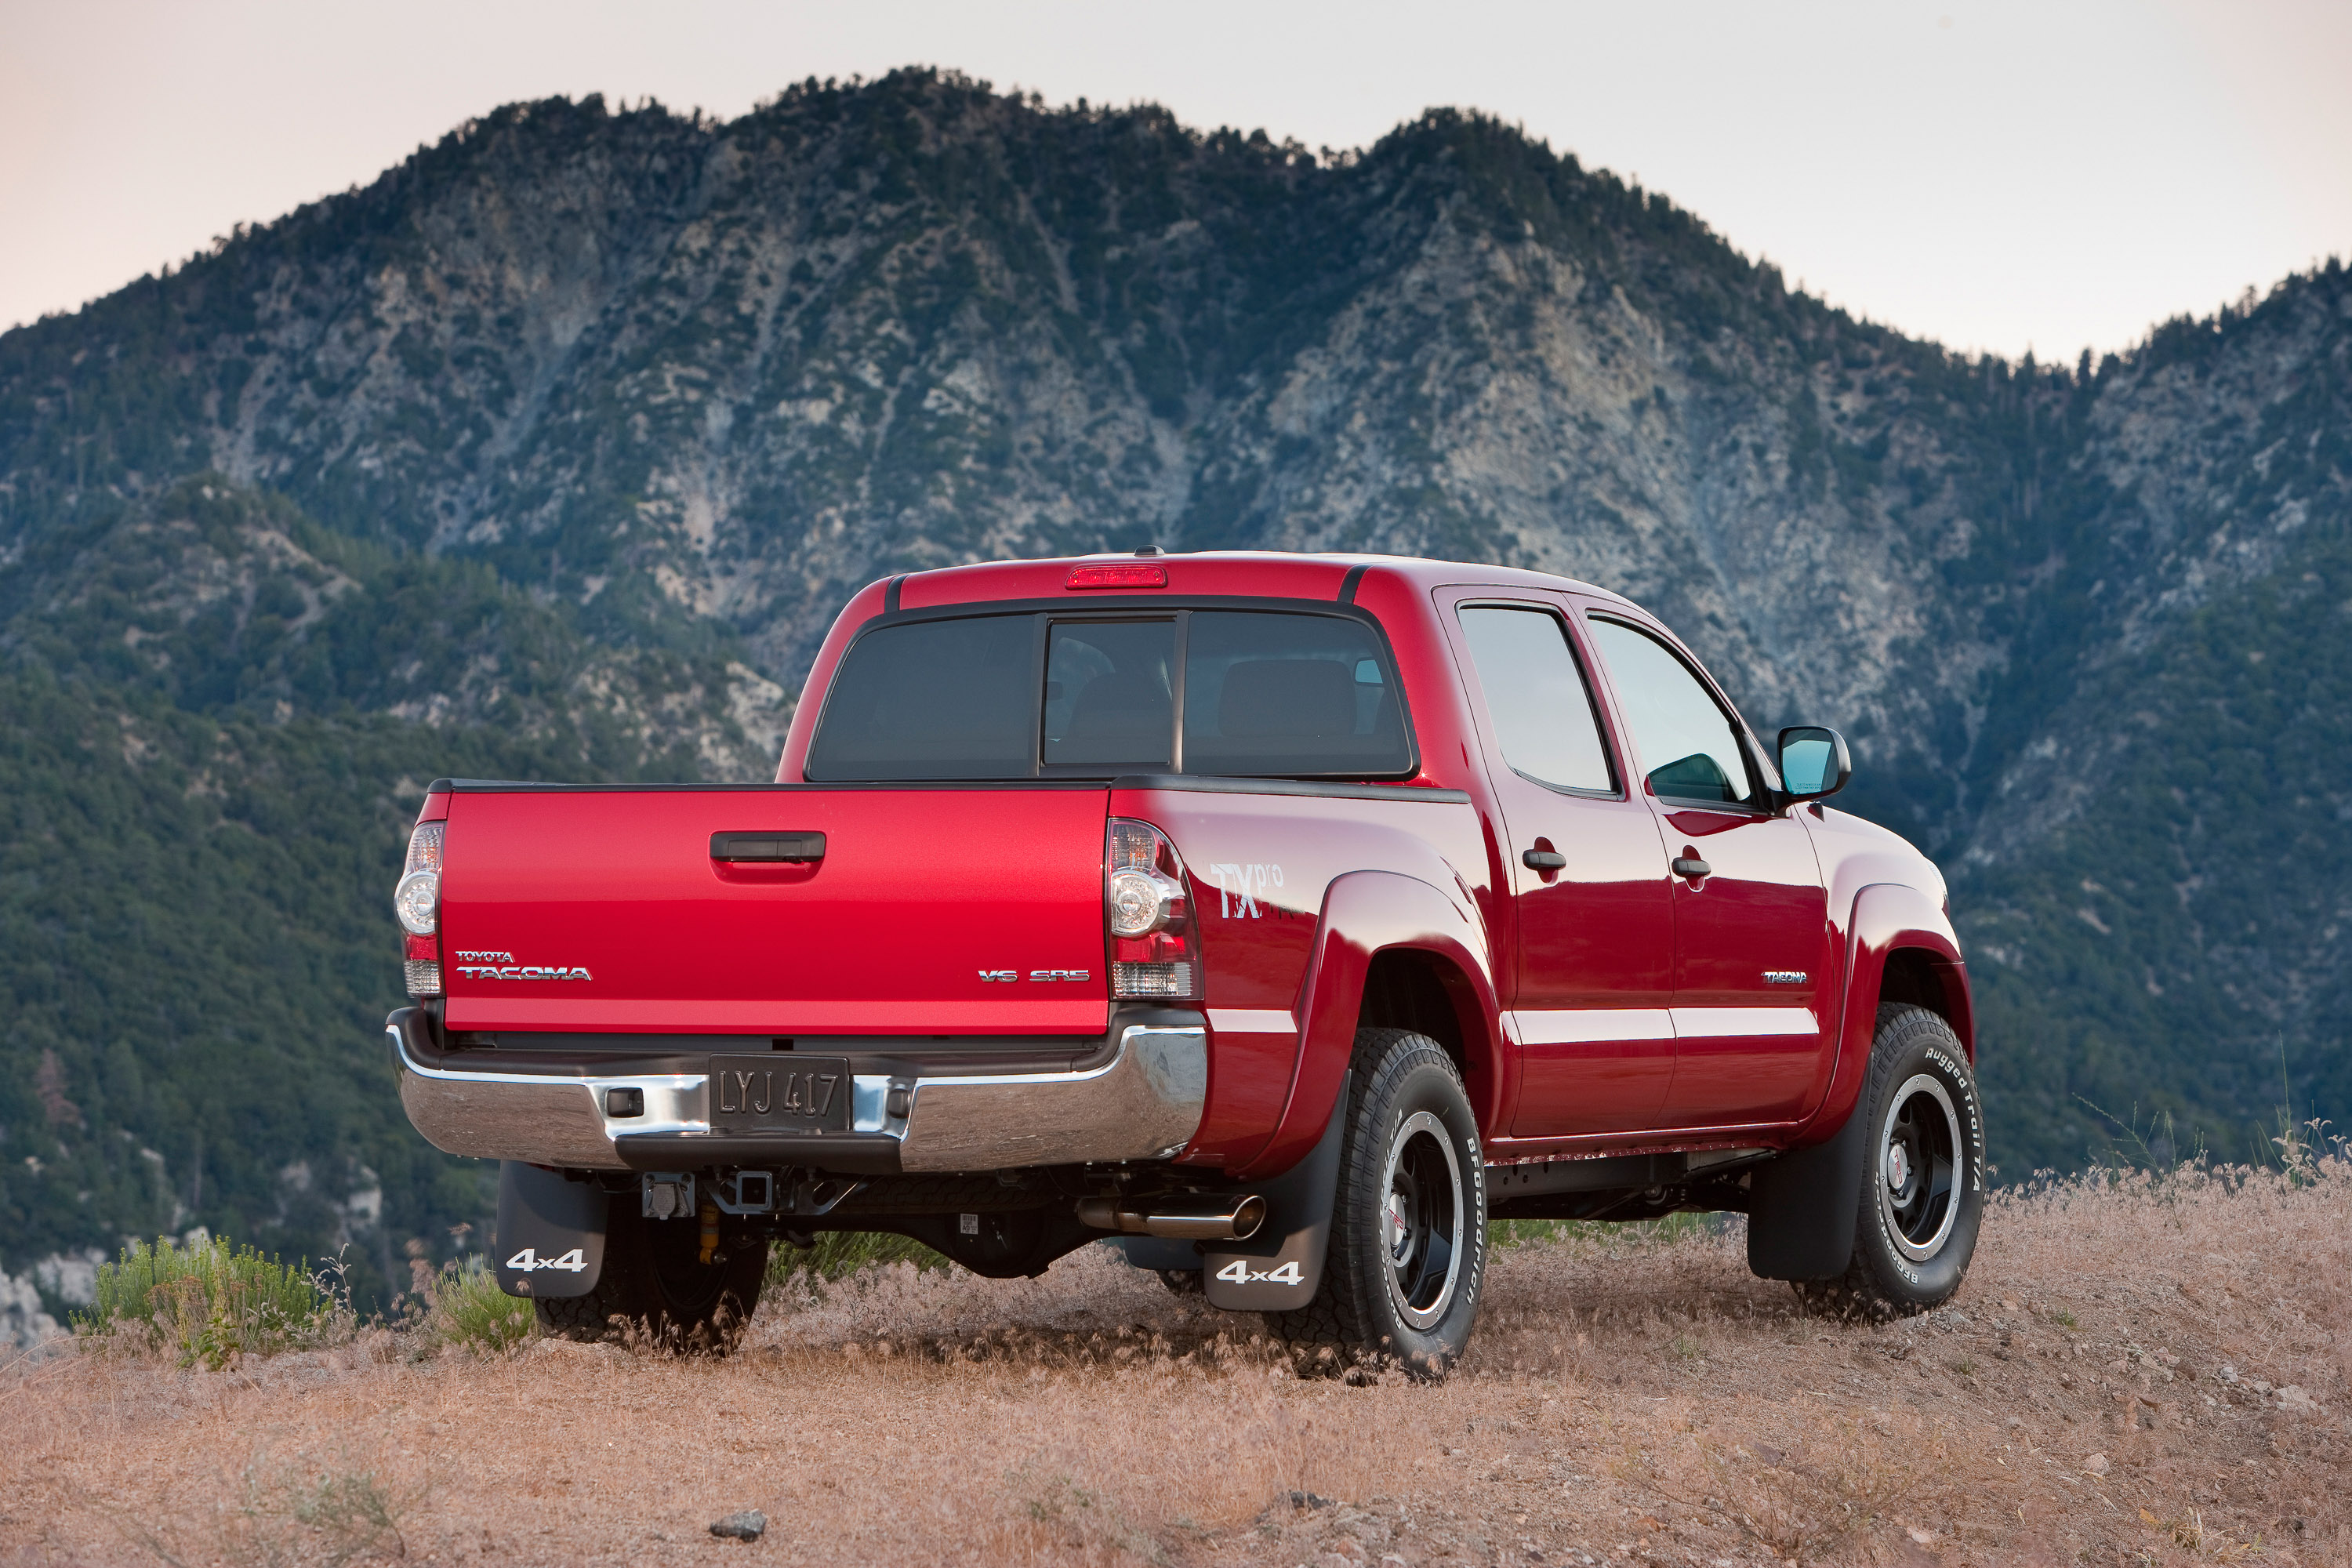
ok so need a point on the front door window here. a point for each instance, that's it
(1688, 747)
(1752, 951)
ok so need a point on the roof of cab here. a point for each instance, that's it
(1255, 573)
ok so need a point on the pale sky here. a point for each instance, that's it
(1994, 176)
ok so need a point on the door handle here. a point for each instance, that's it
(1544, 861)
(792, 848)
(1685, 866)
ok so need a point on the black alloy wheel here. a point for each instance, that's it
(1422, 1219)
(1408, 1249)
(1919, 1158)
(1923, 1178)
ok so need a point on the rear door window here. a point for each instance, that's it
(1537, 697)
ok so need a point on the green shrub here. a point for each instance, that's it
(1663, 1231)
(466, 1307)
(329, 1514)
(839, 1253)
(208, 1303)
(1503, 1232)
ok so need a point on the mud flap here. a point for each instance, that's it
(1281, 1268)
(1802, 1208)
(551, 1237)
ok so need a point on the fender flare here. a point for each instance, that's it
(1802, 1207)
(1364, 914)
(1887, 917)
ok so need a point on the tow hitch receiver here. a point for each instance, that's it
(746, 1191)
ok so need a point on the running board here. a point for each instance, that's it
(1612, 1173)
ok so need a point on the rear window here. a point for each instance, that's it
(1267, 694)
(1282, 695)
(932, 699)
(1109, 693)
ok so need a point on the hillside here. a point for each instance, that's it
(2145, 1373)
(554, 449)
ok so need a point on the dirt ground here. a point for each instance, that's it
(2150, 1372)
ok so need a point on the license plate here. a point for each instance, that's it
(780, 1093)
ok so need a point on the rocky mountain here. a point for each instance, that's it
(561, 442)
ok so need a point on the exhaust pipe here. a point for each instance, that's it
(1185, 1216)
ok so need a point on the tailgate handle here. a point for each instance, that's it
(771, 845)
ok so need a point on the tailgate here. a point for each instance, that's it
(605, 909)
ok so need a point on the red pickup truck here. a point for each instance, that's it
(1285, 917)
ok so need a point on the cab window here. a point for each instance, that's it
(1109, 693)
(1277, 695)
(1685, 740)
(936, 699)
(1264, 694)
(1541, 708)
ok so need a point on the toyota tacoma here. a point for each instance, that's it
(1282, 918)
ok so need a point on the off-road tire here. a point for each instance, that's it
(1910, 1254)
(655, 1289)
(1387, 1296)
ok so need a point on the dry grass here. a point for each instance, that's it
(1642, 1399)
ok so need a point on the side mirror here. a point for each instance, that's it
(1813, 761)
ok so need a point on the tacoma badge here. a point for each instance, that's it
(522, 972)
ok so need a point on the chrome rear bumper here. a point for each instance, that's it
(1143, 1103)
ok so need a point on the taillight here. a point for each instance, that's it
(1155, 949)
(417, 901)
